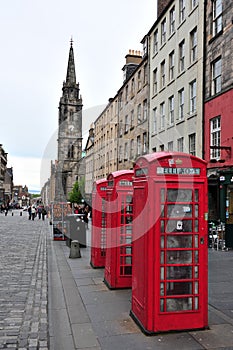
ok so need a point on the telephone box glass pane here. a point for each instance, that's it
(161, 305)
(196, 274)
(179, 210)
(162, 257)
(179, 195)
(162, 289)
(129, 199)
(162, 242)
(162, 211)
(162, 195)
(196, 210)
(196, 196)
(196, 256)
(128, 219)
(179, 241)
(129, 209)
(162, 273)
(179, 226)
(179, 257)
(179, 288)
(179, 304)
(196, 226)
(196, 288)
(162, 226)
(179, 272)
(128, 229)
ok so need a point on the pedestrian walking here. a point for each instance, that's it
(44, 212)
(39, 212)
(29, 212)
(33, 211)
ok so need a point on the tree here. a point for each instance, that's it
(75, 196)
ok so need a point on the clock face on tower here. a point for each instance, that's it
(71, 128)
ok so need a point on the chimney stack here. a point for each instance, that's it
(132, 60)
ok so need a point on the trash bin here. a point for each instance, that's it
(75, 250)
(76, 229)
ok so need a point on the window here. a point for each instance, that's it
(181, 56)
(181, 104)
(126, 151)
(145, 76)
(180, 144)
(154, 120)
(193, 45)
(139, 80)
(144, 48)
(193, 3)
(120, 100)
(155, 42)
(162, 72)
(181, 10)
(132, 87)
(162, 115)
(155, 81)
(192, 144)
(121, 128)
(171, 65)
(193, 97)
(163, 31)
(171, 110)
(139, 113)
(131, 118)
(144, 109)
(144, 140)
(71, 116)
(131, 149)
(126, 93)
(120, 153)
(215, 131)
(170, 146)
(126, 123)
(138, 145)
(217, 16)
(172, 20)
(216, 76)
(70, 151)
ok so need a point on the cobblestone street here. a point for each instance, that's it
(23, 287)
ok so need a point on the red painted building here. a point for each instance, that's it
(218, 112)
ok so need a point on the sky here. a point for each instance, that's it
(35, 40)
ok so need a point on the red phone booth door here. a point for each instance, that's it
(125, 229)
(182, 276)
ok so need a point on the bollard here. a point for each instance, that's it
(21, 214)
(75, 250)
(12, 214)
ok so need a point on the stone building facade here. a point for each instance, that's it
(176, 78)
(121, 130)
(3, 167)
(69, 133)
(218, 96)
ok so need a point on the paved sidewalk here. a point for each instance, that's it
(23, 283)
(49, 301)
(85, 314)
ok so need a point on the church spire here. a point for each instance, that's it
(71, 76)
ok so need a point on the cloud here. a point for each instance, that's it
(26, 171)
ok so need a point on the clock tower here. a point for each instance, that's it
(69, 133)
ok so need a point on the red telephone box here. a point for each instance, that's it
(170, 266)
(98, 233)
(118, 263)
